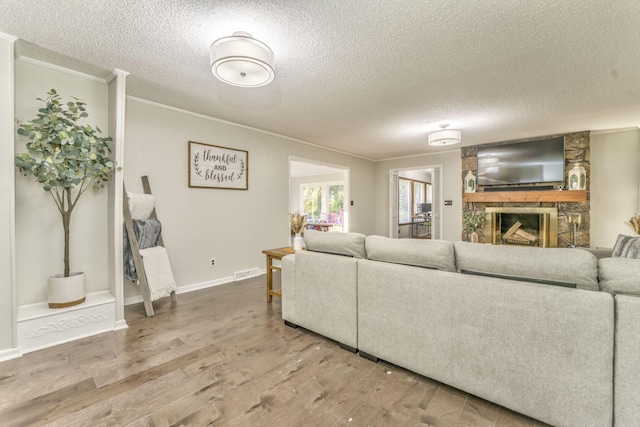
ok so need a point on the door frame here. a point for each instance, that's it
(346, 175)
(437, 188)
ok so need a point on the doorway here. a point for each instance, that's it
(320, 191)
(409, 189)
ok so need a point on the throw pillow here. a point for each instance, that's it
(626, 247)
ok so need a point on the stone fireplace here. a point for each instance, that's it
(522, 226)
(572, 219)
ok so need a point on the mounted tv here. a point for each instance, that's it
(522, 163)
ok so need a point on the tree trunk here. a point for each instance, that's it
(66, 221)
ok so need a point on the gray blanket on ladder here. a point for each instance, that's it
(147, 234)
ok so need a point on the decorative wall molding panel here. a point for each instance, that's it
(40, 326)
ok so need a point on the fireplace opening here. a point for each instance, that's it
(522, 226)
(520, 229)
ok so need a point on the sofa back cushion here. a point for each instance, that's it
(554, 266)
(349, 244)
(619, 275)
(435, 254)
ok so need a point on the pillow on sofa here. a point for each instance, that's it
(349, 244)
(619, 275)
(626, 247)
(436, 254)
(552, 266)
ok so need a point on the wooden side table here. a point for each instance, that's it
(272, 254)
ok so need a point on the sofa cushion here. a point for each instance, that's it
(349, 244)
(626, 247)
(543, 265)
(599, 252)
(619, 275)
(435, 254)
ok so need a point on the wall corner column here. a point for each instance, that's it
(117, 104)
(8, 300)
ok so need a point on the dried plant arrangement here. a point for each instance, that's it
(634, 222)
(298, 221)
(473, 220)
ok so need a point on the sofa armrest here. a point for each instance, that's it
(325, 296)
(627, 361)
(288, 283)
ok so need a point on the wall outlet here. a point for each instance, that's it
(212, 262)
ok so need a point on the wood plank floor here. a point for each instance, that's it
(222, 356)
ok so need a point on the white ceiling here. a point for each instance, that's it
(367, 77)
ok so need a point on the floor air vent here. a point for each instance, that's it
(244, 274)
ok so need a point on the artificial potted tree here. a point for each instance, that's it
(66, 158)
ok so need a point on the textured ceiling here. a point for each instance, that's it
(367, 77)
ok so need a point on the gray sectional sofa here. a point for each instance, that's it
(551, 333)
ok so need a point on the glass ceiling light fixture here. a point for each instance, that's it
(240, 60)
(444, 137)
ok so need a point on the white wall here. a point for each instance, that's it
(451, 216)
(234, 226)
(615, 184)
(38, 226)
(419, 175)
(7, 261)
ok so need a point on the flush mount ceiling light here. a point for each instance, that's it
(444, 136)
(241, 60)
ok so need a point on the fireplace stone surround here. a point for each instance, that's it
(577, 150)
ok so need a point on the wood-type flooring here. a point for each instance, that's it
(222, 356)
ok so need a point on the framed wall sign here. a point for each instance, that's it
(211, 166)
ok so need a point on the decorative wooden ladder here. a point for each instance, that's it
(135, 249)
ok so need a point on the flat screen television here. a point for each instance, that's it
(522, 163)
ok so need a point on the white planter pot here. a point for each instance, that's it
(66, 291)
(297, 242)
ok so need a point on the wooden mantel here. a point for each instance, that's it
(526, 196)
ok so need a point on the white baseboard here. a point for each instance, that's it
(252, 272)
(10, 353)
(120, 324)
